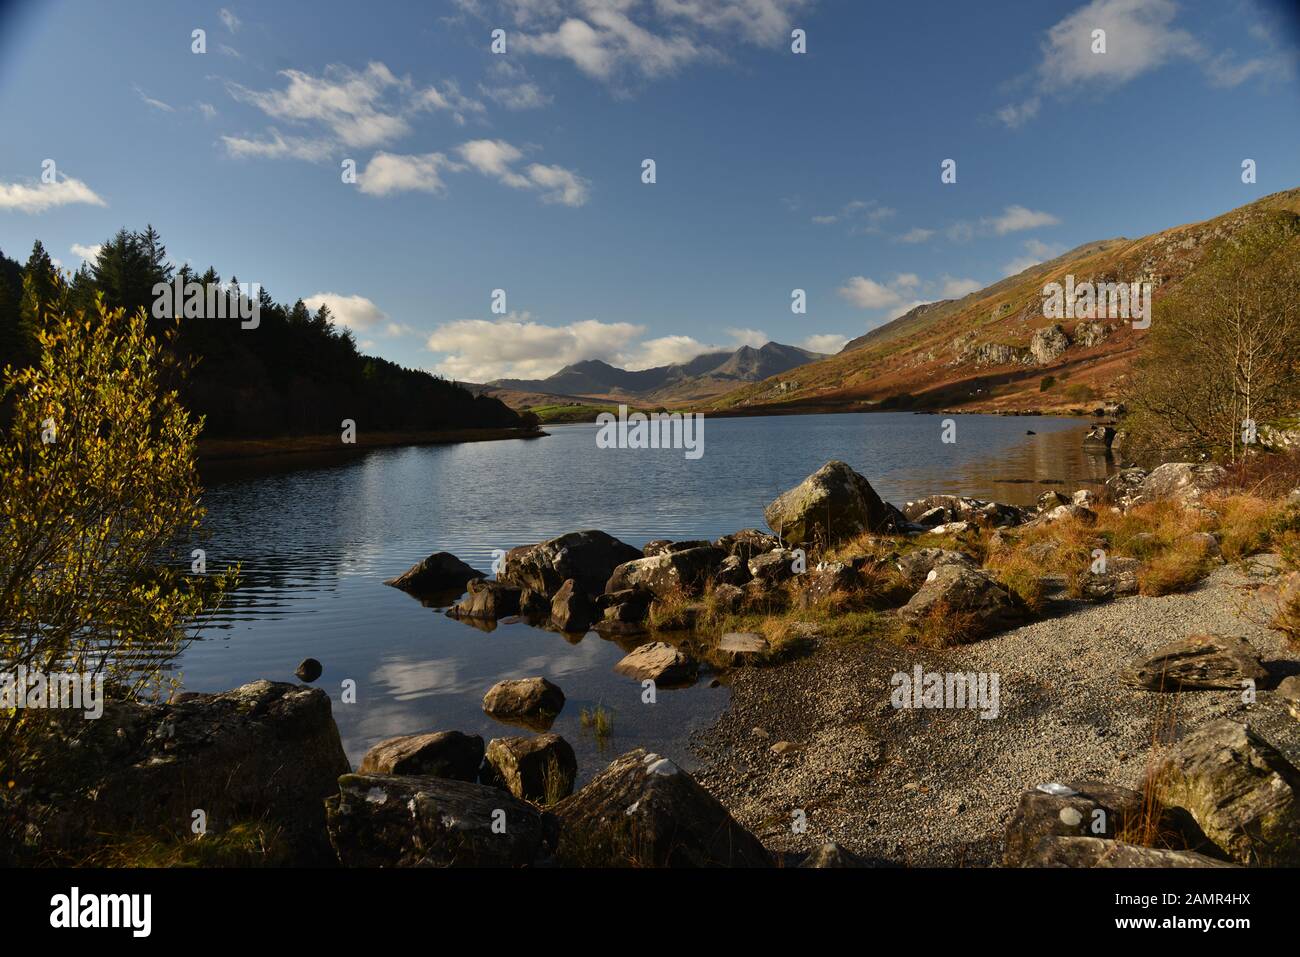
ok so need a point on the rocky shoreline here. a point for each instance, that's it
(1094, 726)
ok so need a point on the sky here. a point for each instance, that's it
(523, 170)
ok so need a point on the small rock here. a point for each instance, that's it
(308, 670)
(540, 769)
(1199, 661)
(532, 702)
(660, 662)
(440, 754)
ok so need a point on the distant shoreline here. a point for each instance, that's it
(310, 449)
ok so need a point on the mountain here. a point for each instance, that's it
(706, 375)
(994, 350)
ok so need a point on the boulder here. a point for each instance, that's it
(1099, 438)
(1240, 789)
(669, 573)
(957, 589)
(743, 647)
(627, 606)
(747, 543)
(832, 855)
(833, 504)
(1119, 578)
(531, 702)
(827, 580)
(734, 570)
(1125, 485)
(541, 769)
(266, 751)
(308, 670)
(440, 754)
(1197, 662)
(572, 609)
(1094, 810)
(917, 565)
(660, 662)
(384, 820)
(1090, 333)
(656, 547)
(440, 572)
(1050, 500)
(1048, 344)
(645, 811)
(588, 557)
(728, 598)
(772, 568)
(533, 604)
(1289, 692)
(1099, 852)
(487, 601)
(1184, 482)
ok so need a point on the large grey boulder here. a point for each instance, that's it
(972, 593)
(1240, 789)
(643, 810)
(382, 820)
(531, 702)
(440, 572)
(588, 557)
(540, 769)
(833, 504)
(1101, 853)
(1198, 662)
(266, 752)
(669, 573)
(440, 754)
(1184, 482)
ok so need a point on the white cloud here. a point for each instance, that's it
(496, 158)
(868, 294)
(1018, 114)
(357, 313)
(88, 253)
(748, 337)
(861, 216)
(229, 51)
(1015, 218)
(916, 235)
(903, 308)
(1036, 251)
(353, 105)
(156, 104)
(35, 199)
(208, 110)
(392, 173)
(904, 292)
(517, 96)
(666, 350)
(827, 342)
(275, 146)
(493, 158)
(231, 21)
(954, 288)
(906, 280)
(559, 185)
(450, 99)
(517, 347)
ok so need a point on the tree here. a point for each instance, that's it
(40, 285)
(1221, 355)
(99, 505)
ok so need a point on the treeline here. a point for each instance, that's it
(296, 373)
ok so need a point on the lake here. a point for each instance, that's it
(316, 545)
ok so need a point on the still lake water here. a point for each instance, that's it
(316, 545)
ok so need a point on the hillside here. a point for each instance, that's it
(994, 350)
(710, 374)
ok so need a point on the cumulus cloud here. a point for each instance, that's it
(953, 288)
(904, 292)
(518, 347)
(866, 293)
(860, 216)
(88, 253)
(827, 342)
(35, 199)
(356, 313)
(450, 99)
(496, 158)
(748, 337)
(392, 173)
(1017, 218)
(1036, 251)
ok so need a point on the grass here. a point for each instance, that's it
(599, 721)
(940, 627)
(248, 844)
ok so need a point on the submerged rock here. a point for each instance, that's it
(532, 702)
(487, 601)
(572, 609)
(440, 572)
(645, 811)
(660, 662)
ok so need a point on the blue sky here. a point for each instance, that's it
(522, 171)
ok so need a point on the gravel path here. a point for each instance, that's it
(936, 787)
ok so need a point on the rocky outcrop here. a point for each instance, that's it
(440, 572)
(660, 662)
(1098, 852)
(917, 565)
(1091, 333)
(942, 509)
(643, 810)
(1240, 789)
(972, 593)
(1048, 344)
(382, 820)
(833, 504)
(487, 601)
(588, 557)
(1091, 809)
(669, 573)
(1198, 662)
(572, 609)
(1184, 482)
(747, 543)
(266, 751)
(541, 769)
(440, 754)
(531, 702)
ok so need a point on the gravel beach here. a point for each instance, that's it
(936, 787)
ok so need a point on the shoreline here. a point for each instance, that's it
(310, 449)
